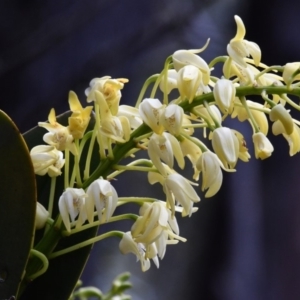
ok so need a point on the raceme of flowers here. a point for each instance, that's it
(185, 100)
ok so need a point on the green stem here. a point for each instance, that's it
(144, 88)
(249, 113)
(44, 261)
(86, 243)
(67, 160)
(97, 223)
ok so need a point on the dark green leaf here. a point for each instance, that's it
(17, 206)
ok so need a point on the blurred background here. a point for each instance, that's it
(244, 243)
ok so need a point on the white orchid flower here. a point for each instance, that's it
(239, 48)
(150, 111)
(128, 245)
(164, 147)
(109, 88)
(72, 204)
(189, 79)
(41, 216)
(262, 146)
(47, 159)
(172, 118)
(224, 94)
(171, 81)
(58, 136)
(102, 195)
(226, 146)
(283, 122)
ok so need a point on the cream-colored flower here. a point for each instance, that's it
(113, 127)
(151, 111)
(172, 118)
(128, 245)
(165, 147)
(293, 140)
(171, 83)
(188, 82)
(208, 117)
(41, 216)
(179, 189)
(109, 88)
(102, 195)
(262, 146)
(210, 166)
(239, 48)
(183, 58)
(58, 136)
(72, 203)
(259, 116)
(243, 150)
(80, 117)
(132, 114)
(291, 72)
(155, 218)
(226, 146)
(283, 122)
(245, 74)
(224, 94)
(47, 159)
(192, 152)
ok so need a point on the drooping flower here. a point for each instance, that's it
(293, 140)
(188, 82)
(192, 152)
(109, 88)
(41, 216)
(80, 117)
(172, 118)
(165, 147)
(47, 159)
(291, 72)
(72, 204)
(226, 146)
(262, 146)
(179, 189)
(171, 81)
(283, 122)
(102, 195)
(224, 94)
(208, 117)
(239, 48)
(154, 219)
(243, 150)
(58, 136)
(151, 111)
(210, 166)
(259, 116)
(128, 245)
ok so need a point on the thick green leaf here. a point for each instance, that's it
(64, 271)
(17, 206)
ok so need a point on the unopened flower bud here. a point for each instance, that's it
(262, 146)
(41, 216)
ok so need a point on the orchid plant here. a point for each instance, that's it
(65, 188)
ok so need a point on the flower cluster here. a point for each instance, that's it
(185, 98)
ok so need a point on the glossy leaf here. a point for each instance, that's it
(17, 206)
